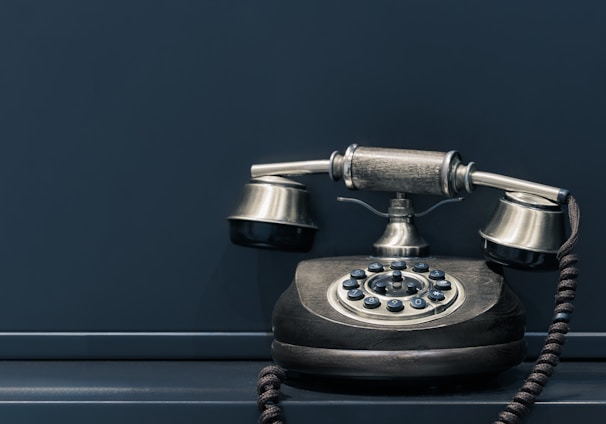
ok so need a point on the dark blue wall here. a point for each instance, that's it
(127, 130)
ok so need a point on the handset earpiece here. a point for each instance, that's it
(273, 213)
(525, 231)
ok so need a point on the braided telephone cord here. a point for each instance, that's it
(268, 392)
(549, 357)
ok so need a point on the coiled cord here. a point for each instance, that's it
(549, 357)
(268, 392)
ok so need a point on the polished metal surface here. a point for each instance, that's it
(527, 219)
(521, 221)
(401, 170)
(448, 172)
(291, 168)
(407, 171)
(363, 204)
(275, 200)
(514, 184)
(454, 298)
(346, 163)
(528, 222)
(401, 236)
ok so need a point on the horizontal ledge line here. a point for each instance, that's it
(136, 333)
(291, 402)
(129, 402)
(206, 334)
(571, 334)
(213, 333)
(441, 402)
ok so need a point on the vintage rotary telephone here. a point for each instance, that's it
(399, 313)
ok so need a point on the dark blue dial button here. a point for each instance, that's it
(395, 305)
(375, 267)
(396, 276)
(380, 287)
(358, 274)
(418, 303)
(399, 265)
(436, 274)
(411, 287)
(420, 267)
(350, 284)
(436, 295)
(443, 285)
(372, 302)
(355, 294)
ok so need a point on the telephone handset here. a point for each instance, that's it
(399, 313)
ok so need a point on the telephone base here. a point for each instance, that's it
(476, 327)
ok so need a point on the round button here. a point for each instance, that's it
(355, 294)
(418, 303)
(436, 295)
(399, 265)
(350, 284)
(411, 287)
(372, 302)
(358, 274)
(396, 276)
(380, 287)
(420, 267)
(436, 274)
(395, 305)
(443, 285)
(396, 285)
(375, 267)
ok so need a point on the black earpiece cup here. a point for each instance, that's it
(519, 258)
(268, 235)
